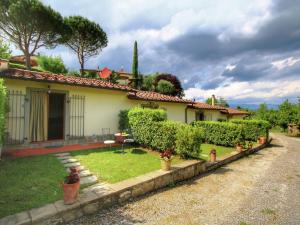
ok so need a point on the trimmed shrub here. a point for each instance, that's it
(3, 109)
(151, 129)
(188, 141)
(143, 124)
(164, 135)
(123, 120)
(221, 133)
(253, 128)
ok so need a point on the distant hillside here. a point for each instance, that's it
(252, 106)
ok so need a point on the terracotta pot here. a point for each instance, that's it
(262, 140)
(71, 192)
(166, 164)
(239, 148)
(213, 156)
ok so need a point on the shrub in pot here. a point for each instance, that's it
(213, 155)
(239, 147)
(71, 186)
(166, 158)
(262, 140)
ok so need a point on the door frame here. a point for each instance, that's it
(29, 90)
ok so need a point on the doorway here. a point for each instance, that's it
(56, 116)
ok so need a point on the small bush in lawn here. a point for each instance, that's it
(253, 128)
(188, 141)
(221, 133)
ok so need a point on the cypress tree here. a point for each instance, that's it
(135, 66)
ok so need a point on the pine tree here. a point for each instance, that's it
(135, 66)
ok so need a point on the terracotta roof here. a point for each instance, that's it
(62, 79)
(231, 111)
(153, 96)
(202, 105)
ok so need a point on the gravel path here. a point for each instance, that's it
(261, 189)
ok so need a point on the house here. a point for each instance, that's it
(47, 107)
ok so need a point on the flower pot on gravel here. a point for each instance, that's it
(213, 155)
(71, 187)
(262, 140)
(166, 158)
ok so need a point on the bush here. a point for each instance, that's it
(253, 128)
(188, 141)
(123, 120)
(151, 129)
(221, 133)
(52, 64)
(143, 124)
(3, 109)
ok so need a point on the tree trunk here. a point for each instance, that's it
(27, 60)
(81, 61)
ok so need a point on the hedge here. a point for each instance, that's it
(188, 141)
(221, 133)
(3, 109)
(253, 128)
(151, 129)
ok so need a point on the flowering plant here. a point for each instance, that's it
(73, 176)
(166, 155)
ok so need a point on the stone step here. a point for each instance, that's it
(85, 173)
(74, 164)
(80, 168)
(88, 180)
(62, 154)
(69, 160)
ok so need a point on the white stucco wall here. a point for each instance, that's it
(101, 106)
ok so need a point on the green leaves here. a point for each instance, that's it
(3, 109)
(221, 133)
(86, 38)
(52, 64)
(252, 129)
(5, 52)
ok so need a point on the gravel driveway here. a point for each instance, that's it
(261, 189)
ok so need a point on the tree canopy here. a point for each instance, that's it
(177, 91)
(5, 52)
(52, 64)
(86, 38)
(30, 25)
(165, 87)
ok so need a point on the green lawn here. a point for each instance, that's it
(221, 150)
(29, 182)
(112, 165)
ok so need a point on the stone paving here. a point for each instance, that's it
(86, 177)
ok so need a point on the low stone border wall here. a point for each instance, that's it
(98, 197)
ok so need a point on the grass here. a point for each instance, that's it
(111, 165)
(221, 150)
(29, 182)
(268, 211)
(23, 67)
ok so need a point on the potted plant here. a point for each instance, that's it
(239, 147)
(213, 155)
(71, 186)
(166, 158)
(262, 140)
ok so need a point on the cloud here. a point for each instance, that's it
(213, 47)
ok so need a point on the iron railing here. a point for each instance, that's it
(76, 118)
(15, 123)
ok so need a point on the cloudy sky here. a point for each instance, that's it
(247, 51)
